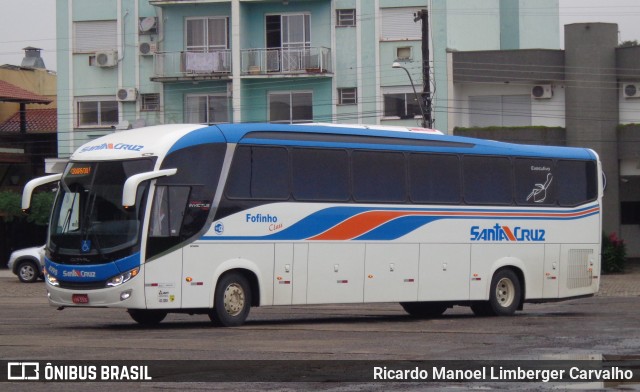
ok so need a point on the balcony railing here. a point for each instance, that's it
(216, 63)
(316, 60)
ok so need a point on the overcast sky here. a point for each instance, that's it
(32, 23)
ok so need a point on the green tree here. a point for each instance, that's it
(41, 204)
(10, 206)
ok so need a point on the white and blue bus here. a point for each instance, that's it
(217, 219)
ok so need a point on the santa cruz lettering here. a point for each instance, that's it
(505, 233)
(111, 146)
(78, 274)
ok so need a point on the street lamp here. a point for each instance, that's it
(424, 116)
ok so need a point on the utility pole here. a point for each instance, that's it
(423, 16)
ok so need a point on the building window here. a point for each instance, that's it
(150, 102)
(630, 212)
(500, 110)
(93, 36)
(398, 24)
(96, 112)
(291, 35)
(346, 18)
(347, 96)
(207, 109)
(403, 53)
(291, 107)
(401, 105)
(205, 35)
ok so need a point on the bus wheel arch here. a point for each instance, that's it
(506, 293)
(236, 291)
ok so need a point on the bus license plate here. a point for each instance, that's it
(80, 298)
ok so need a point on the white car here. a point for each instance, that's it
(27, 263)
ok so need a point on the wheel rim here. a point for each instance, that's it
(505, 292)
(234, 299)
(27, 272)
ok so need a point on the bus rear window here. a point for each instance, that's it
(577, 182)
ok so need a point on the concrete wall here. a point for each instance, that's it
(592, 103)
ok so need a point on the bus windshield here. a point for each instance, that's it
(88, 218)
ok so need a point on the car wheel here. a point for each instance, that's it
(28, 271)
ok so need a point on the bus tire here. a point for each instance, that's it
(232, 301)
(504, 295)
(147, 317)
(424, 309)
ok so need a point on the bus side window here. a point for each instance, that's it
(167, 211)
(535, 181)
(487, 180)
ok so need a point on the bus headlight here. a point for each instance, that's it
(51, 279)
(122, 278)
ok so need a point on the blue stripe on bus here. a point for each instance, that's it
(200, 136)
(402, 226)
(323, 220)
(91, 272)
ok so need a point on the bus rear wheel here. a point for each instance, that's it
(232, 301)
(424, 309)
(504, 296)
(147, 317)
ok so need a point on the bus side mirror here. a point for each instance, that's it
(33, 184)
(131, 185)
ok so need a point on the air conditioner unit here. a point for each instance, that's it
(147, 48)
(631, 90)
(541, 91)
(148, 25)
(106, 59)
(127, 94)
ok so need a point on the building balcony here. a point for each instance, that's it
(286, 62)
(185, 66)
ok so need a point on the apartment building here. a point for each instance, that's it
(130, 63)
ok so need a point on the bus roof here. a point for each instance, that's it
(163, 139)
(380, 138)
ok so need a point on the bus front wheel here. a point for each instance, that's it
(504, 296)
(147, 317)
(232, 301)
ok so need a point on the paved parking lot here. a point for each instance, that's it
(606, 324)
